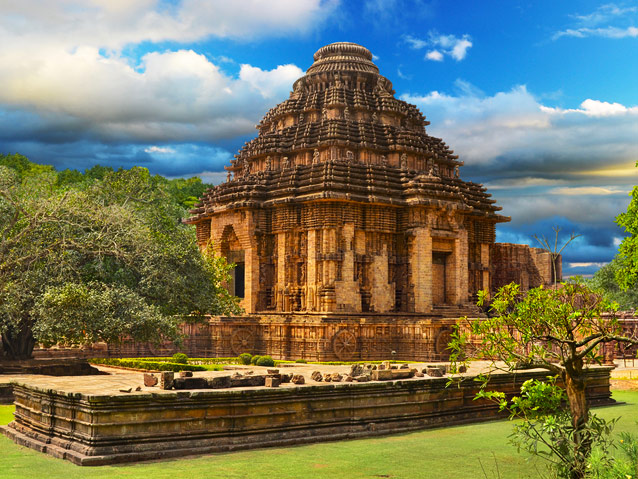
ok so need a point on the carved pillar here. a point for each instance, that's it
(347, 289)
(251, 278)
(485, 264)
(281, 271)
(421, 269)
(311, 276)
(457, 273)
(383, 293)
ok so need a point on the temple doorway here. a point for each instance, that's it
(231, 249)
(439, 278)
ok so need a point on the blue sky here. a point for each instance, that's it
(538, 98)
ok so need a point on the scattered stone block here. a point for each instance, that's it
(272, 382)
(272, 371)
(419, 374)
(356, 370)
(336, 377)
(327, 377)
(150, 380)
(362, 379)
(285, 378)
(247, 381)
(348, 379)
(191, 383)
(382, 375)
(138, 388)
(126, 390)
(186, 374)
(316, 376)
(434, 372)
(462, 369)
(219, 382)
(166, 380)
(298, 379)
(404, 366)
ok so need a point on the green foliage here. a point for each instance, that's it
(627, 273)
(254, 359)
(605, 281)
(560, 330)
(602, 466)
(98, 257)
(301, 361)
(265, 361)
(148, 365)
(245, 358)
(546, 428)
(180, 358)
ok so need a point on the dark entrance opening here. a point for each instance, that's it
(238, 280)
(439, 278)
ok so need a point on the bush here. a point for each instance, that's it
(146, 365)
(302, 361)
(265, 361)
(245, 358)
(180, 358)
(254, 359)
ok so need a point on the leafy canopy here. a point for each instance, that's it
(98, 256)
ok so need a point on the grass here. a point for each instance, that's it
(445, 453)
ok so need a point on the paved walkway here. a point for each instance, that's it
(118, 379)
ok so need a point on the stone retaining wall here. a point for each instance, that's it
(104, 429)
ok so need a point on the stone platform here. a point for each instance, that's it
(93, 422)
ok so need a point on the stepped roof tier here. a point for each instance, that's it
(342, 135)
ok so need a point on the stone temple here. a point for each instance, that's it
(352, 232)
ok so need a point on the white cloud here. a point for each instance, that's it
(65, 62)
(586, 265)
(171, 96)
(435, 55)
(270, 83)
(608, 21)
(588, 190)
(451, 45)
(414, 42)
(459, 50)
(113, 24)
(514, 124)
(159, 149)
(596, 108)
(604, 14)
(441, 45)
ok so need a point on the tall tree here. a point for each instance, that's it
(605, 281)
(99, 259)
(561, 330)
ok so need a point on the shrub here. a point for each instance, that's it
(254, 359)
(302, 361)
(146, 365)
(180, 358)
(265, 361)
(245, 358)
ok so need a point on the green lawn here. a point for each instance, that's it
(445, 453)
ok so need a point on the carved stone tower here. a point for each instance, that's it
(343, 204)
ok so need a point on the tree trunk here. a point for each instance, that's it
(18, 345)
(575, 388)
